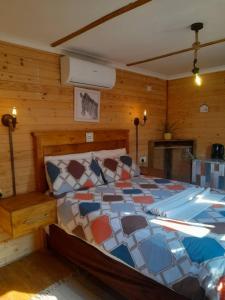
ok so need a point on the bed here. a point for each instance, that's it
(117, 234)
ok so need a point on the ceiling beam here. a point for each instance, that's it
(101, 20)
(174, 53)
(212, 43)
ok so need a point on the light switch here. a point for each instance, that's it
(89, 137)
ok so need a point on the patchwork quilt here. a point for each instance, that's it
(187, 257)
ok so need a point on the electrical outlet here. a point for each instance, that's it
(143, 159)
(89, 137)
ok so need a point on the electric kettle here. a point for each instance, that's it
(217, 151)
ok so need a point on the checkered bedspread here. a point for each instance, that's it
(187, 257)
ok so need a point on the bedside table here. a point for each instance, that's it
(23, 214)
(152, 172)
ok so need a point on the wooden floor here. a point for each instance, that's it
(28, 276)
(36, 272)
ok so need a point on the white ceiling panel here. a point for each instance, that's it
(48, 20)
(156, 28)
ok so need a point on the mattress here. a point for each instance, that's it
(186, 256)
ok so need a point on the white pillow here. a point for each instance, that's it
(74, 156)
(102, 154)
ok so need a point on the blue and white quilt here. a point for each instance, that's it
(186, 256)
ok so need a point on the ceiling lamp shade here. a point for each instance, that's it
(196, 46)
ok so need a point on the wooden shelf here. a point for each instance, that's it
(161, 153)
(26, 213)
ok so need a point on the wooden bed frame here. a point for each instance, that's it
(66, 142)
(125, 280)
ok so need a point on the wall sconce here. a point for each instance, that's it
(137, 122)
(10, 121)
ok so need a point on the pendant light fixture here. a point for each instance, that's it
(196, 45)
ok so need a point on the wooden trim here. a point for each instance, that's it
(212, 43)
(101, 20)
(65, 142)
(174, 53)
(158, 57)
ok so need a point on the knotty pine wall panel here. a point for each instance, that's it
(30, 80)
(184, 100)
(14, 249)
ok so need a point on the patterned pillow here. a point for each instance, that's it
(121, 168)
(68, 175)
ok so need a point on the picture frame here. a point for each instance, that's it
(86, 105)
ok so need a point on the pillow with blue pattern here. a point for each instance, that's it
(119, 168)
(69, 175)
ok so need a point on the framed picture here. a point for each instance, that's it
(86, 105)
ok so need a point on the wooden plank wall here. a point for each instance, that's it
(13, 249)
(30, 80)
(184, 99)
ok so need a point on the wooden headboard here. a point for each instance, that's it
(66, 142)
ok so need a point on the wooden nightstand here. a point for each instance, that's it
(26, 213)
(152, 172)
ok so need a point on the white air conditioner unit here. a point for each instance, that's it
(83, 73)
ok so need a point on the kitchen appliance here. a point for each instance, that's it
(217, 151)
